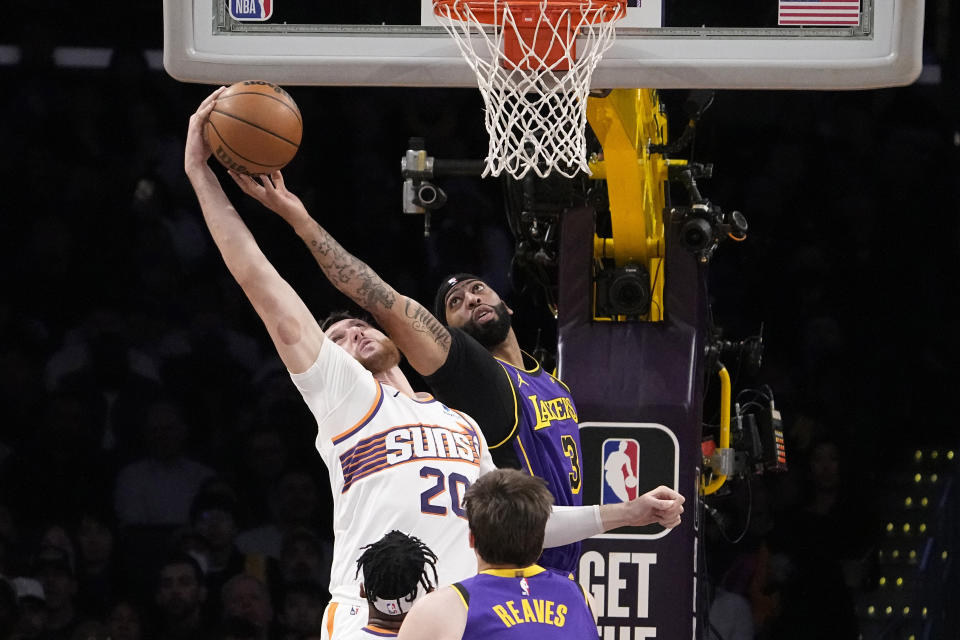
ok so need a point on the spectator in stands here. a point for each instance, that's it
(125, 621)
(98, 572)
(214, 516)
(32, 610)
(247, 598)
(55, 570)
(831, 527)
(295, 502)
(301, 610)
(158, 488)
(99, 355)
(263, 458)
(305, 557)
(179, 597)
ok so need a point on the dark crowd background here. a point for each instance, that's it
(144, 414)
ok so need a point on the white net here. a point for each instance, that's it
(533, 61)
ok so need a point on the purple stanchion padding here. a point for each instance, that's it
(649, 375)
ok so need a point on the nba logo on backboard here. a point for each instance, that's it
(621, 457)
(257, 10)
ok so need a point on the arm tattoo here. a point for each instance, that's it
(348, 274)
(423, 321)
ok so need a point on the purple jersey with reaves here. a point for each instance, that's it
(525, 603)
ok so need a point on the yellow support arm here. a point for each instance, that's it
(626, 122)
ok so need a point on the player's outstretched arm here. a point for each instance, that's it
(572, 524)
(291, 326)
(422, 339)
(661, 506)
(439, 615)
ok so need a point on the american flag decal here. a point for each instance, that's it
(819, 13)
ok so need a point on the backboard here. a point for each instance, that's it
(664, 44)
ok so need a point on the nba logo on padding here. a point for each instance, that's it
(621, 457)
(251, 9)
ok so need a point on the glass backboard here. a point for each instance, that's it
(665, 44)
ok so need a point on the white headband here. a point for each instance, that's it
(394, 607)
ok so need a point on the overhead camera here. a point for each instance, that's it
(623, 291)
(423, 195)
(748, 353)
(420, 194)
(703, 226)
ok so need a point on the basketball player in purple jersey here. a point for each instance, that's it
(538, 435)
(531, 422)
(510, 597)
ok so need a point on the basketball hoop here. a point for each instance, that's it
(535, 83)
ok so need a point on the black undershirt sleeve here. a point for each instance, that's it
(471, 380)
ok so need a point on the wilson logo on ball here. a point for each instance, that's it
(255, 127)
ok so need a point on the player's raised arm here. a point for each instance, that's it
(422, 339)
(291, 326)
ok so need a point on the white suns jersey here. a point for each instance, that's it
(395, 462)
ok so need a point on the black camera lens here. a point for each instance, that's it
(696, 234)
(624, 291)
(630, 295)
(427, 194)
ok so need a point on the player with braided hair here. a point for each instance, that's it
(394, 569)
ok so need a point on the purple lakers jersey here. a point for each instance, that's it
(531, 602)
(547, 444)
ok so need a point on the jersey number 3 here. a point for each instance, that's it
(570, 450)
(455, 484)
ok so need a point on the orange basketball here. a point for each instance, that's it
(254, 128)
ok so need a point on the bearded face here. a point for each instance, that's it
(492, 331)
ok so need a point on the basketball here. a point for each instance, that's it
(254, 128)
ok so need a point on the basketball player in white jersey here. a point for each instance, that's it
(396, 460)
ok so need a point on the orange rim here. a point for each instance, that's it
(490, 12)
(529, 15)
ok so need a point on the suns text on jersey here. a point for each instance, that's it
(406, 443)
